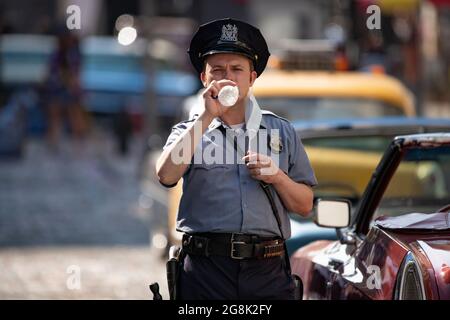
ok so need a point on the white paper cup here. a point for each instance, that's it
(228, 96)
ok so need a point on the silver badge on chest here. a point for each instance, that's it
(275, 144)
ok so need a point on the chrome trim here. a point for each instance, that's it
(410, 262)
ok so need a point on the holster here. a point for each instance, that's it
(298, 294)
(172, 270)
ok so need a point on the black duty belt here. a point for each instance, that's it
(233, 245)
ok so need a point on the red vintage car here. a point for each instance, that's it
(397, 243)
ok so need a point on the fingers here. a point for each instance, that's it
(254, 172)
(258, 174)
(263, 171)
(263, 174)
(258, 164)
(253, 158)
(212, 91)
(216, 90)
(269, 171)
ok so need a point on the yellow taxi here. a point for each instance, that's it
(311, 95)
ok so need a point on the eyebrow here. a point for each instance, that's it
(233, 65)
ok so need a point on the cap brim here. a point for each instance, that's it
(231, 50)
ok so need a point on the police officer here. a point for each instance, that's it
(235, 215)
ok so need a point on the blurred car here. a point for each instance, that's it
(113, 77)
(344, 153)
(397, 244)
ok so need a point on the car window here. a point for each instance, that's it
(421, 183)
(304, 108)
(362, 143)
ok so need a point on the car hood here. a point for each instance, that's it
(416, 221)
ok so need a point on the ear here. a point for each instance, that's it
(203, 79)
(253, 76)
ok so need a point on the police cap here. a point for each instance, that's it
(229, 36)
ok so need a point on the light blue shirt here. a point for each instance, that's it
(225, 198)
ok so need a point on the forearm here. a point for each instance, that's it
(175, 159)
(296, 197)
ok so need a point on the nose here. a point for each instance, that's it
(228, 74)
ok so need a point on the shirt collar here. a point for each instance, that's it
(253, 117)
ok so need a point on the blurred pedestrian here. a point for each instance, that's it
(123, 130)
(63, 89)
(235, 215)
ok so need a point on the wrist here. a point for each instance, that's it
(278, 177)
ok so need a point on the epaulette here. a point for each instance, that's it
(270, 113)
(185, 122)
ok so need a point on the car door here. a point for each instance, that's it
(359, 268)
(348, 271)
(340, 271)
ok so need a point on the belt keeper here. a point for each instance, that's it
(200, 245)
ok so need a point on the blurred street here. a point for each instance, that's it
(80, 206)
(106, 273)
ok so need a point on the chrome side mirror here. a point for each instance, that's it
(332, 213)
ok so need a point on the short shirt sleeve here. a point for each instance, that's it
(300, 169)
(177, 130)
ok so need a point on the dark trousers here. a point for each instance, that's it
(224, 278)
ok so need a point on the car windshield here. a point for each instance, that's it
(421, 183)
(306, 108)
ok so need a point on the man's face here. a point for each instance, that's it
(229, 66)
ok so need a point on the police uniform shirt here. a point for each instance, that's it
(225, 198)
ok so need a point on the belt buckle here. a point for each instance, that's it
(232, 247)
